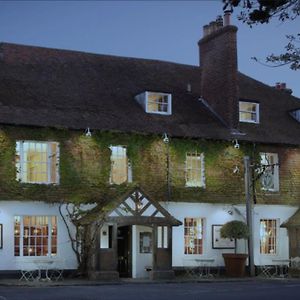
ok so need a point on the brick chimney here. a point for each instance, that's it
(218, 62)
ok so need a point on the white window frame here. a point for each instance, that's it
(200, 156)
(256, 121)
(186, 228)
(265, 158)
(169, 110)
(129, 169)
(276, 223)
(20, 164)
(21, 236)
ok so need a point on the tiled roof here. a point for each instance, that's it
(60, 88)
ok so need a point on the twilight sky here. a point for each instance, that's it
(165, 30)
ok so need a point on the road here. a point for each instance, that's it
(259, 290)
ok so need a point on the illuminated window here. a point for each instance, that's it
(249, 112)
(193, 236)
(120, 168)
(156, 103)
(35, 235)
(37, 162)
(269, 171)
(195, 170)
(268, 236)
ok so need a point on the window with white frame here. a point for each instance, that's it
(35, 235)
(155, 102)
(193, 235)
(269, 171)
(120, 166)
(37, 162)
(248, 112)
(162, 237)
(194, 172)
(268, 236)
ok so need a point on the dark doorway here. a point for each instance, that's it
(124, 251)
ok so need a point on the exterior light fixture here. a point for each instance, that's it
(165, 138)
(236, 170)
(88, 132)
(236, 144)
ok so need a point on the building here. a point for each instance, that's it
(150, 151)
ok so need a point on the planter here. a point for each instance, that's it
(235, 264)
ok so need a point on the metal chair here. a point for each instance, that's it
(266, 271)
(27, 275)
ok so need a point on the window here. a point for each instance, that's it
(157, 103)
(268, 236)
(195, 170)
(249, 112)
(35, 235)
(145, 242)
(269, 171)
(120, 167)
(193, 236)
(106, 235)
(296, 114)
(37, 162)
(162, 237)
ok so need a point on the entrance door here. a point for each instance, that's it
(124, 251)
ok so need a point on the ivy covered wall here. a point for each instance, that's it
(84, 168)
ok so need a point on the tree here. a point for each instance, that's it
(261, 12)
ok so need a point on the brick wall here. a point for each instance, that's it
(218, 61)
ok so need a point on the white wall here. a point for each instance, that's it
(139, 260)
(9, 209)
(215, 214)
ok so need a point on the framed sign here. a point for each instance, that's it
(1, 236)
(218, 242)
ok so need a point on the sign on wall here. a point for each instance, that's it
(218, 242)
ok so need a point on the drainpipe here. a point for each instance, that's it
(249, 213)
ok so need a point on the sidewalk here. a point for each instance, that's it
(86, 282)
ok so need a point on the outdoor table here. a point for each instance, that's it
(43, 264)
(204, 265)
(282, 266)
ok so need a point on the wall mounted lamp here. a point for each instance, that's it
(88, 132)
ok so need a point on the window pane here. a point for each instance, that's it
(269, 171)
(248, 112)
(193, 236)
(194, 169)
(157, 102)
(35, 235)
(268, 236)
(36, 162)
(119, 164)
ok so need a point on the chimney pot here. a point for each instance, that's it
(277, 85)
(219, 21)
(282, 85)
(227, 18)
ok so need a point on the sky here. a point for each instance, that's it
(164, 30)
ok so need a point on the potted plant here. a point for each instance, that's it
(235, 263)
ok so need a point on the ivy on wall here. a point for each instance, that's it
(85, 167)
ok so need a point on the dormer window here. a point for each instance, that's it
(249, 112)
(296, 114)
(155, 103)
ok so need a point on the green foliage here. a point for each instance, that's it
(85, 165)
(235, 230)
(262, 11)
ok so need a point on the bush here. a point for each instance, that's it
(235, 230)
